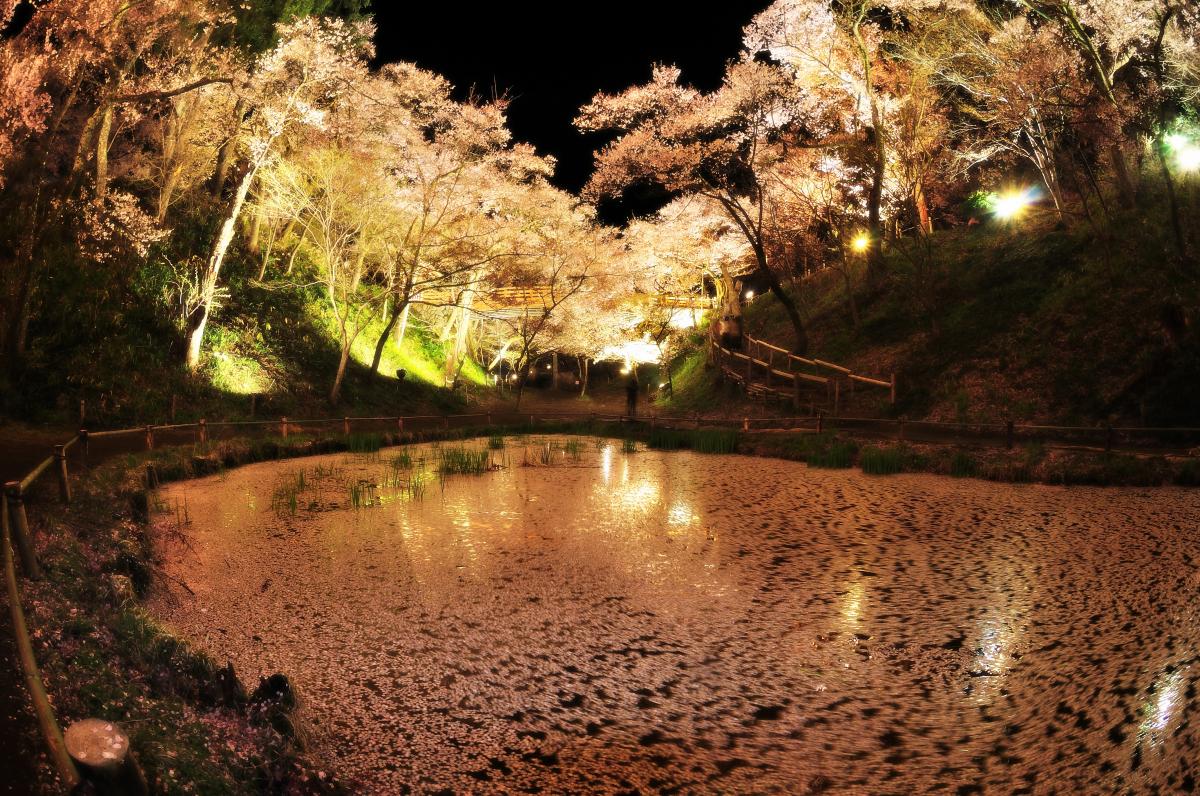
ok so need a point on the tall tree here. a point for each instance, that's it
(721, 146)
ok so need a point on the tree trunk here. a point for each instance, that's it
(212, 271)
(336, 392)
(225, 153)
(921, 210)
(403, 324)
(102, 136)
(393, 316)
(583, 376)
(554, 370)
(524, 374)
(875, 198)
(789, 306)
(1126, 192)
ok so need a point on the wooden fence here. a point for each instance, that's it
(766, 370)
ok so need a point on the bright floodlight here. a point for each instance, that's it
(1009, 205)
(1177, 141)
(749, 295)
(1188, 158)
(861, 242)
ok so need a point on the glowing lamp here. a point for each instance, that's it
(749, 295)
(861, 242)
(1188, 158)
(1007, 206)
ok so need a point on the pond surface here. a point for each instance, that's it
(686, 623)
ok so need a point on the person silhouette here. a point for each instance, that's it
(631, 394)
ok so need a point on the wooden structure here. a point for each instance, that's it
(767, 371)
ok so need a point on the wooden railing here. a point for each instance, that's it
(759, 374)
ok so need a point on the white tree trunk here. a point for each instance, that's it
(213, 270)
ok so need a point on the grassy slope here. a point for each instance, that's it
(1029, 321)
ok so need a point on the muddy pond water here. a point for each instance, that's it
(590, 620)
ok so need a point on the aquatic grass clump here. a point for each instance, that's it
(363, 494)
(463, 461)
(714, 440)
(667, 439)
(882, 461)
(701, 440)
(835, 456)
(963, 465)
(629, 446)
(574, 449)
(364, 442)
(285, 498)
(496, 442)
(401, 461)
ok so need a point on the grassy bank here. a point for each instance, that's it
(1029, 322)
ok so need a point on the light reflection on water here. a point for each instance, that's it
(601, 576)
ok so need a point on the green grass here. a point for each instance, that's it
(875, 460)
(963, 465)
(699, 440)
(463, 461)
(835, 456)
(364, 443)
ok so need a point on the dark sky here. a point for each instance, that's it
(551, 58)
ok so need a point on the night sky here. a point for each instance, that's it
(550, 58)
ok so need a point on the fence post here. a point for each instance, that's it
(749, 371)
(745, 424)
(1108, 438)
(652, 420)
(283, 427)
(64, 485)
(82, 411)
(820, 422)
(346, 426)
(893, 389)
(100, 749)
(203, 431)
(149, 438)
(489, 418)
(796, 392)
(400, 424)
(20, 530)
(1008, 435)
(837, 396)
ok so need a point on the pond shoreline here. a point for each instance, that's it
(119, 491)
(505, 630)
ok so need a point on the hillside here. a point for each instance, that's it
(1028, 322)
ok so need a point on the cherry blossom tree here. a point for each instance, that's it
(315, 61)
(720, 146)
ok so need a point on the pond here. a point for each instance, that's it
(585, 618)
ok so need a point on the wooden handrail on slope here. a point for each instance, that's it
(768, 366)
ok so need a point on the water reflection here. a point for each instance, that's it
(1161, 708)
